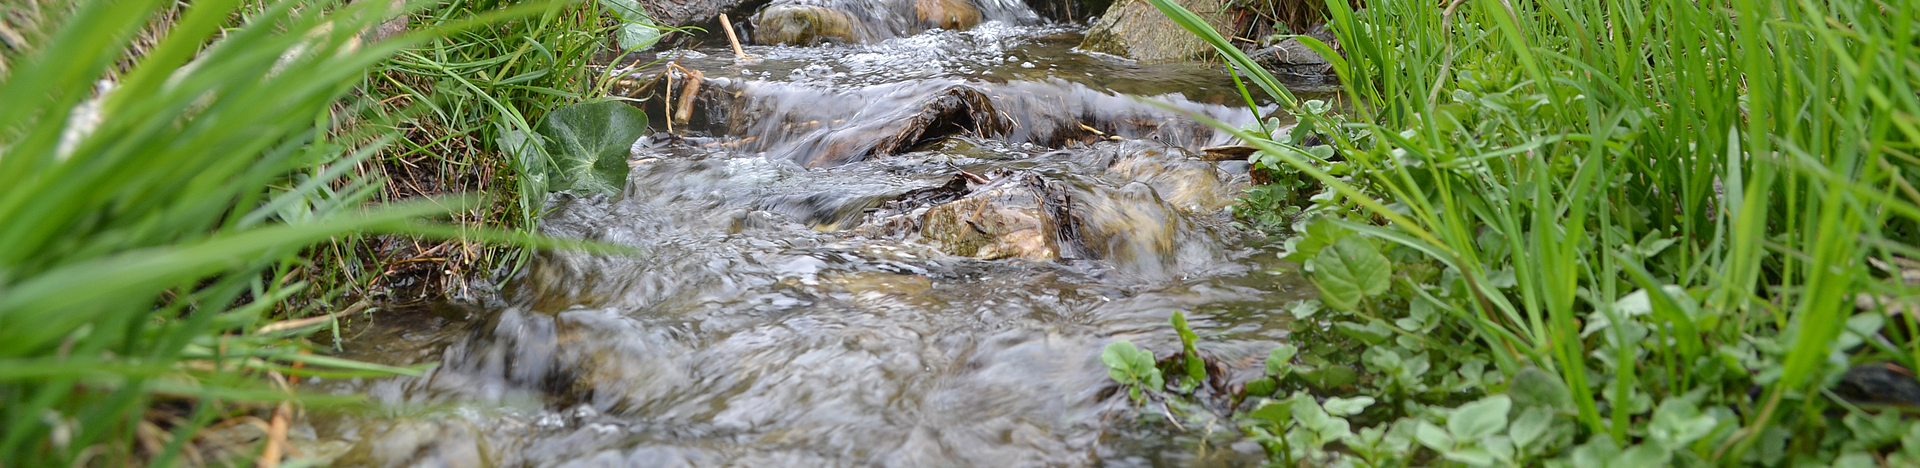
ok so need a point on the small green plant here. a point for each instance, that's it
(1277, 370)
(1133, 368)
(1282, 191)
(1137, 370)
(1350, 271)
(1194, 369)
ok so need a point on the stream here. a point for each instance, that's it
(906, 253)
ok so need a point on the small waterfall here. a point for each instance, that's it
(806, 22)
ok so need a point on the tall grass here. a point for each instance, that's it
(148, 226)
(1688, 197)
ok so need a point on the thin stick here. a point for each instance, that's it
(299, 323)
(727, 24)
(276, 437)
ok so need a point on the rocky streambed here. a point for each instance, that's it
(903, 247)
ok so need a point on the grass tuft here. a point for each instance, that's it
(163, 170)
(1674, 208)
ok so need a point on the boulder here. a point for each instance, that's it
(1135, 29)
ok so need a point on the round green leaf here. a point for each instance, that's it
(1350, 270)
(589, 143)
(1480, 419)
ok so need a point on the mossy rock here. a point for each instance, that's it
(804, 25)
(947, 14)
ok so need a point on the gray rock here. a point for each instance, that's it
(1135, 29)
(688, 12)
(1298, 65)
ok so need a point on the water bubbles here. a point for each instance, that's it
(550, 421)
(817, 73)
(680, 54)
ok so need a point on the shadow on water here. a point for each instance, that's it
(914, 263)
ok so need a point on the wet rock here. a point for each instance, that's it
(1056, 114)
(796, 24)
(1297, 65)
(415, 442)
(1128, 202)
(1178, 177)
(947, 14)
(1132, 202)
(1129, 226)
(955, 110)
(687, 12)
(1006, 220)
(826, 129)
(1882, 383)
(1135, 29)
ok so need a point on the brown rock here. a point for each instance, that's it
(947, 14)
(1006, 221)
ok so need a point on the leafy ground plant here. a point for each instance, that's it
(1614, 233)
(1133, 368)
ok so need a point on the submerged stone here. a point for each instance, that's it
(826, 128)
(1129, 202)
(1007, 220)
(1179, 177)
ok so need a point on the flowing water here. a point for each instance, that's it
(907, 253)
